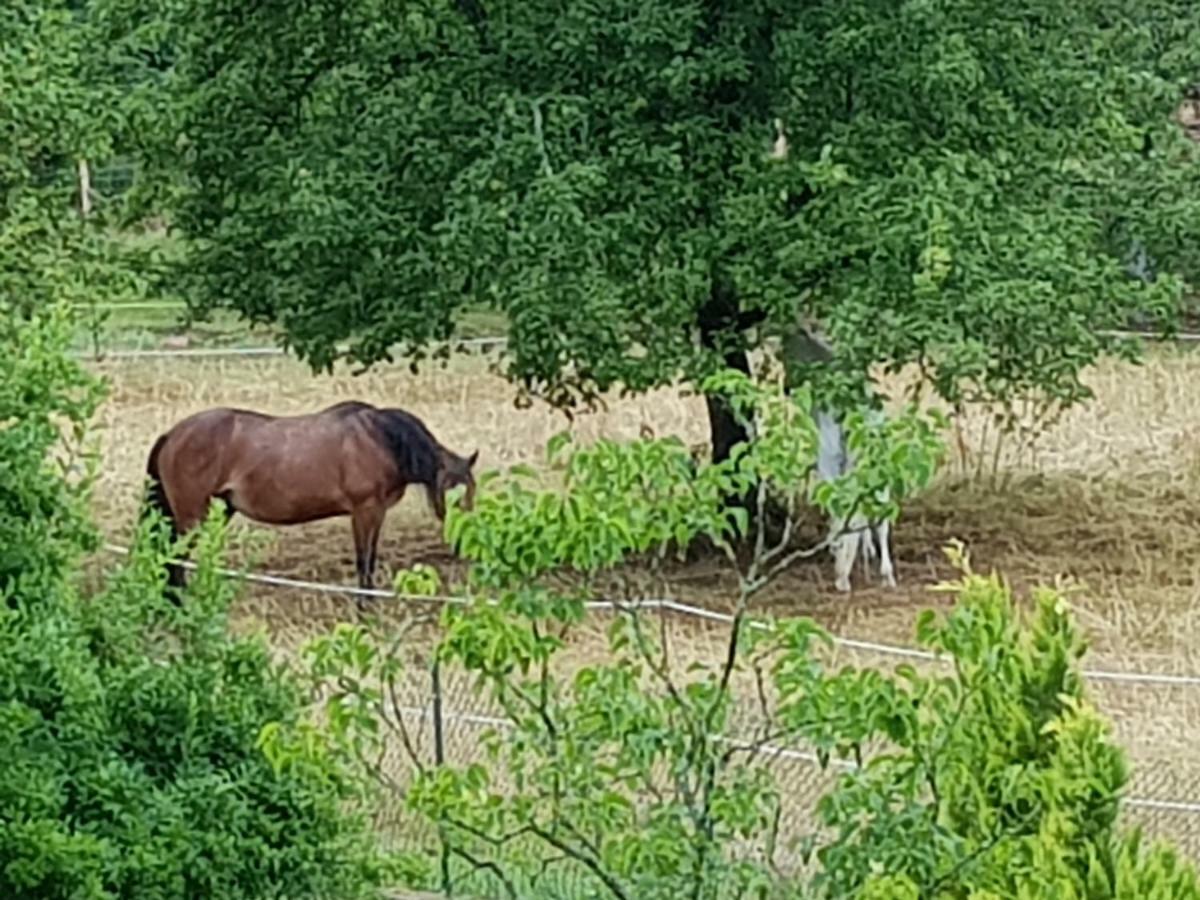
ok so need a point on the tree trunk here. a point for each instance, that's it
(718, 321)
(724, 430)
(721, 324)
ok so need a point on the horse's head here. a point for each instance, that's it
(453, 471)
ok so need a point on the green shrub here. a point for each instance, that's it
(1001, 780)
(626, 778)
(639, 776)
(131, 730)
(43, 514)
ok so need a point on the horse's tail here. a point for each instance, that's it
(156, 494)
(156, 500)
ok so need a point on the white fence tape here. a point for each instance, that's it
(180, 306)
(669, 605)
(194, 353)
(763, 749)
(219, 352)
(131, 306)
(1183, 336)
(480, 342)
(1185, 806)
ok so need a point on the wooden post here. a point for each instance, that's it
(85, 189)
(439, 757)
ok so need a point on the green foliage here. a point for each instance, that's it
(638, 777)
(43, 521)
(1001, 781)
(132, 738)
(517, 534)
(960, 189)
(628, 770)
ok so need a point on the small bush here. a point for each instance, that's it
(1000, 781)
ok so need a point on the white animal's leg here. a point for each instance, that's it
(886, 570)
(845, 552)
(844, 562)
(869, 551)
(831, 463)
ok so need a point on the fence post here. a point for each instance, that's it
(85, 188)
(439, 758)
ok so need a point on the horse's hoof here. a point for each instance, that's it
(889, 581)
(843, 585)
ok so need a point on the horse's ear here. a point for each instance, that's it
(471, 459)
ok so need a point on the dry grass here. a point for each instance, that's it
(1108, 497)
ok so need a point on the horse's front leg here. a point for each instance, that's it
(845, 549)
(373, 552)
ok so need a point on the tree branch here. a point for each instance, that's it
(980, 851)
(397, 719)
(490, 866)
(593, 864)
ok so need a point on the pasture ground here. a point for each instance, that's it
(1109, 498)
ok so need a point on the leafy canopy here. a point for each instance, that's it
(961, 186)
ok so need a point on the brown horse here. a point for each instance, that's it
(349, 459)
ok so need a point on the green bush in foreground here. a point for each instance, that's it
(130, 729)
(647, 776)
(1002, 779)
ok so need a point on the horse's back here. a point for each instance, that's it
(223, 416)
(216, 416)
(345, 407)
(231, 424)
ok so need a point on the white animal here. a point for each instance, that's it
(834, 459)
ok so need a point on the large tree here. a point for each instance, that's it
(961, 186)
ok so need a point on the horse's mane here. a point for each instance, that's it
(416, 451)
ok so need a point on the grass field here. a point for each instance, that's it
(1110, 498)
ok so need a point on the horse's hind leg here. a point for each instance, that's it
(883, 533)
(845, 549)
(226, 499)
(367, 522)
(188, 513)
